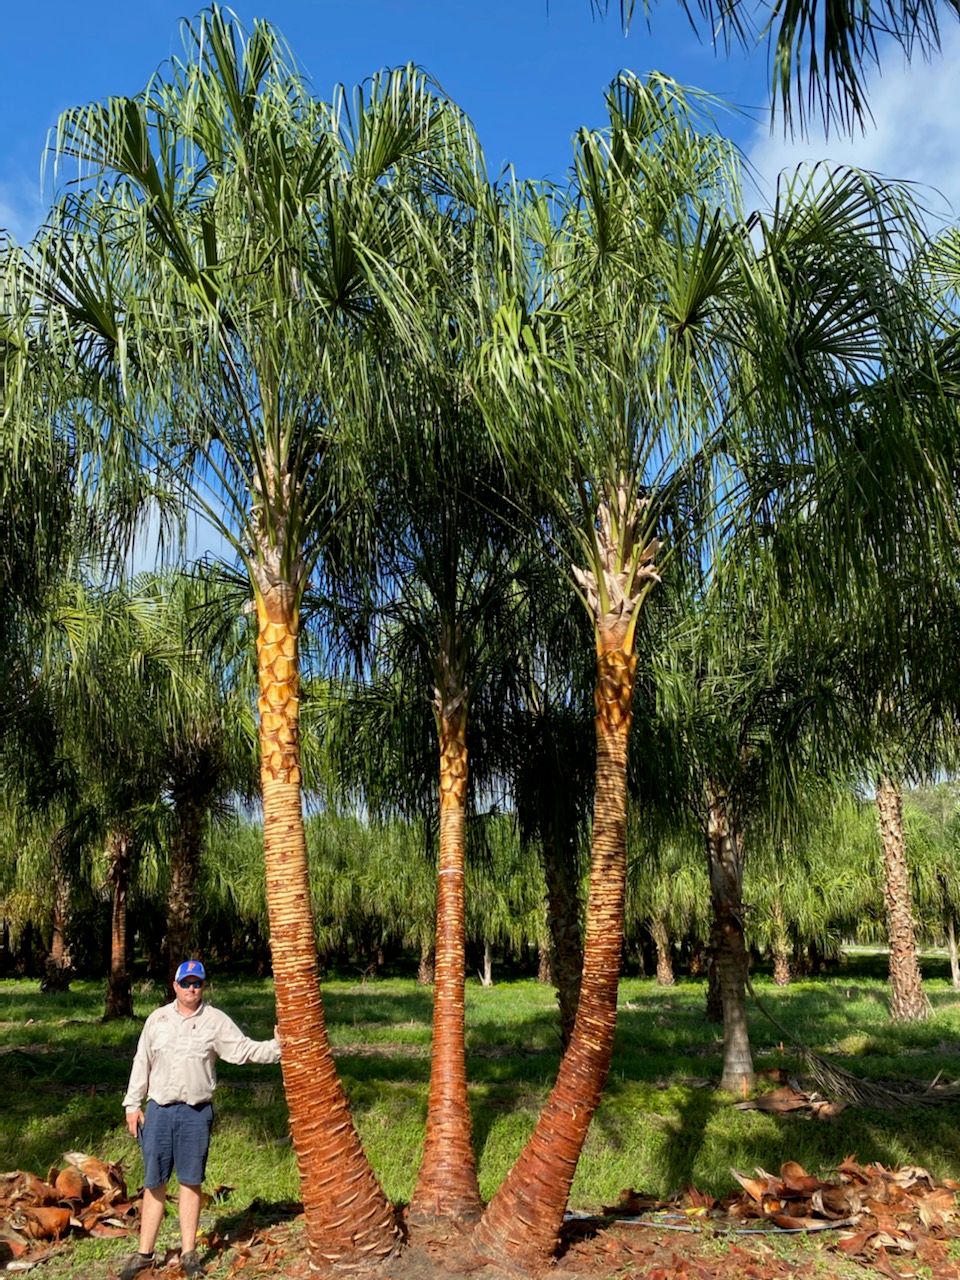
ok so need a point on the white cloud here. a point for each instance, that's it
(914, 134)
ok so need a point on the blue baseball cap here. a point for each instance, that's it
(190, 969)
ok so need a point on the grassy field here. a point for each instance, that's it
(661, 1127)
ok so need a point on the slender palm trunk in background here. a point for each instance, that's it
(347, 1215)
(952, 951)
(558, 859)
(725, 863)
(425, 965)
(781, 945)
(908, 1002)
(522, 1222)
(185, 850)
(58, 961)
(486, 971)
(119, 1002)
(447, 1182)
(661, 940)
(58, 964)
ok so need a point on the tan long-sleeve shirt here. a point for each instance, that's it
(176, 1055)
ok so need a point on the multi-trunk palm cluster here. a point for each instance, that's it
(389, 381)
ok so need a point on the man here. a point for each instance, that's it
(175, 1068)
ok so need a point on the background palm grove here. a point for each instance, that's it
(592, 600)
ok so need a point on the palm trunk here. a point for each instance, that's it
(185, 850)
(119, 1001)
(58, 963)
(725, 861)
(952, 951)
(486, 973)
(558, 856)
(781, 968)
(447, 1182)
(908, 1002)
(781, 946)
(425, 966)
(714, 997)
(522, 1223)
(347, 1216)
(661, 940)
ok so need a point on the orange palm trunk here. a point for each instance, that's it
(522, 1223)
(348, 1218)
(447, 1182)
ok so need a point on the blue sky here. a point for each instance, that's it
(528, 72)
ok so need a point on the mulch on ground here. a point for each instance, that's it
(862, 1220)
(866, 1220)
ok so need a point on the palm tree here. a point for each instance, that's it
(214, 258)
(450, 578)
(106, 673)
(206, 737)
(668, 894)
(505, 892)
(617, 372)
(445, 605)
(546, 758)
(853, 505)
(818, 51)
(707, 344)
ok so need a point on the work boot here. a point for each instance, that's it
(190, 1264)
(133, 1265)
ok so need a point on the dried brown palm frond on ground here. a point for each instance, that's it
(873, 1210)
(85, 1197)
(844, 1088)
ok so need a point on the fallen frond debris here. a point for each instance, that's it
(790, 1097)
(874, 1210)
(85, 1197)
(845, 1088)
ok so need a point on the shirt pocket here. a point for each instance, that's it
(198, 1043)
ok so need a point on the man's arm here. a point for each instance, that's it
(233, 1046)
(138, 1083)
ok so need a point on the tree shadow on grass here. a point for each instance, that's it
(243, 1226)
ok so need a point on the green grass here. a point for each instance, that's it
(659, 1128)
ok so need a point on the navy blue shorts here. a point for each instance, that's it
(176, 1137)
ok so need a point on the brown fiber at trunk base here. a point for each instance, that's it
(346, 1213)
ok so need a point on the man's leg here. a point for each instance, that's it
(193, 1144)
(151, 1215)
(189, 1217)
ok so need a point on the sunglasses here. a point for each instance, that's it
(190, 984)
